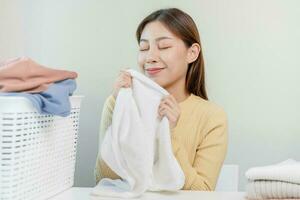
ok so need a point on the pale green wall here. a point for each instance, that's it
(252, 63)
(11, 28)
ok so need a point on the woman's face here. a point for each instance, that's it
(163, 57)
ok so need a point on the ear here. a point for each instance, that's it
(193, 52)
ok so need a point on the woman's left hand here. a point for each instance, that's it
(170, 108)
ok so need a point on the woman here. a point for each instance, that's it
(170, 54)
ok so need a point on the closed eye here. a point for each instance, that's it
(164, 47)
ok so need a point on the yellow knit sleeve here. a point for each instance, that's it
(210, 154)
(101, 169)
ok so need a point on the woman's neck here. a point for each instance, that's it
(178, 90)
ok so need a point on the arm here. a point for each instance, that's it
(203, 173)
(101, 169)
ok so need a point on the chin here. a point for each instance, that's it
(160, 82)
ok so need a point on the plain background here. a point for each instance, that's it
(251, 50)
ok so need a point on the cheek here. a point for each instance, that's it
(141, 60)
(175, 59)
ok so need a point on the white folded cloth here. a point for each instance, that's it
(279, 181)
(288, 171)
(137, 146)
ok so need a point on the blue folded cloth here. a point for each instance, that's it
(54, 100)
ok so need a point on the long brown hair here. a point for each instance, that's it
(184, 27)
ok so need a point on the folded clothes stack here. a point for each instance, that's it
(279, 181)
(48, 89)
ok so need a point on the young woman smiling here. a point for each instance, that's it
(170, 54)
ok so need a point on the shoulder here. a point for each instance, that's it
(212, 119)
(207, 109)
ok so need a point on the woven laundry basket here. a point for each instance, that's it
(37, 151)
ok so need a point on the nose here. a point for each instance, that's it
(152, 55)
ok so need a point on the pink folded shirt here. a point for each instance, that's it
(24, 75)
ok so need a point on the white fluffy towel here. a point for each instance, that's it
(137, 145)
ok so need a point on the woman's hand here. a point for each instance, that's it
(124, 80)
(170, 108)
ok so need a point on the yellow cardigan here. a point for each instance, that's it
(199, 142)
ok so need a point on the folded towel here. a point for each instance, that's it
(55, 100)
(287, 171)
(137, 146)
(272, 190)
(278, 181)
(24, 75)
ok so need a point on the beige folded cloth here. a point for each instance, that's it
(24, 75)
(263, 189)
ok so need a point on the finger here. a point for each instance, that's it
(123, 83)
(128, 80)
(125, 78)
(168, 113)
(160, 117)
(124, 74)
(171, 104)
(161, 111)
(125, 71)
(172, 98)
(167, 109)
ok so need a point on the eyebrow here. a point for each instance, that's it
(157, 39)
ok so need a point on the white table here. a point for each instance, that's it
(80, 193)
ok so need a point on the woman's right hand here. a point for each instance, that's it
(124, 80)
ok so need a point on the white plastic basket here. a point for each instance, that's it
(37, 152)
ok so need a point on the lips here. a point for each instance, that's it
(154, 70)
